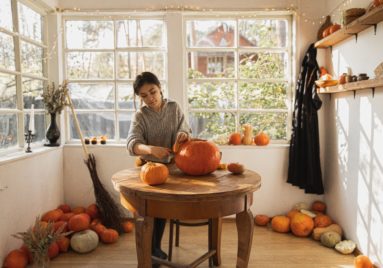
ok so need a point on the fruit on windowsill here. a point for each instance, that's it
(261, 139)
(103, 139)
(94, 140)
(235, 138)
(86, 141)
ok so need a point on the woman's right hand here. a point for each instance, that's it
(159, 152)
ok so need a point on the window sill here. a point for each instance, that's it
(20, 154)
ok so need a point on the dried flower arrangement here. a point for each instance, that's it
(55, 99)
(38, 239)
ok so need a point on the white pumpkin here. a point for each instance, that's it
(84, 241)
(345, 246)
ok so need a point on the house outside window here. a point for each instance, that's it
(23, 72)
(239, 70)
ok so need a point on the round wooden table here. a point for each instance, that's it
(186, 197)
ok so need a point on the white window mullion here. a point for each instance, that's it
(116, 98)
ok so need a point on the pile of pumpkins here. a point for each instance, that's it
(236, 138)
(84, 230)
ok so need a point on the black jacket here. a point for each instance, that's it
(304, 161)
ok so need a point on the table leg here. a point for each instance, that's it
(216, 240)
(245, 228)
(144, 230)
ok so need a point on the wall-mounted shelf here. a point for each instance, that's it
(372, 83)
(371, 18)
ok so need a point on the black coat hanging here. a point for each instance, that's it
(304, 161)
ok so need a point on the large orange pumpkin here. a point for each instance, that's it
(198, 157)
(154, 173)
(301, 225)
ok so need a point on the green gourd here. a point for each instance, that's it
(330, 239)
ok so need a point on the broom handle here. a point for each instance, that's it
(84, 149)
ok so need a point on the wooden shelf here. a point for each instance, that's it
(372, 83)
(371, 18)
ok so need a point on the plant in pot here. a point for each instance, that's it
(55, 100)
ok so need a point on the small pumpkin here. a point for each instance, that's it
(52, 215)
(318, 206)
(261, 220)
(345, 246)
(63, 243)
(330, 239)
(109, 236)
(280, 224)
(317, 233)
(322, 220)
(79, 222)
(16, 259)
(301, 225)
(65, 208)
(98, 228)
(92, 211)
(235, 138)
(154, 173)
(127, 226)
(261, 139)
(362, 261)
(53, 250)
(235, 168)
(66, 216)
(292, 212)
(78, 210)
(84, 241)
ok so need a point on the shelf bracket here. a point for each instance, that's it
(354, 93)
(375, 26)
(373, 91)
(356, 37)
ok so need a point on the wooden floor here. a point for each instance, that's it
(269, 249)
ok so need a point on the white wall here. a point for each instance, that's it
(34, 185)
(354, 145)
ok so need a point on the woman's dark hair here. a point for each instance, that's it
(145, 78)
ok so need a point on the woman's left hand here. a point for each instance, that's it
(182, 137)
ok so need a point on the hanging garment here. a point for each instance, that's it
(304, 161)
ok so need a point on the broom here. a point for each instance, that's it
(109, 212)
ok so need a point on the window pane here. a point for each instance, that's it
(90, 65)
(92, 96)
(30, 22)
(210, 33)
(8, 130)
(263, 95)
(263, 33)
(140, 33)
(211, 64)
(124, 120)
(31, 59)
(263, 65)
(7, 91)
(94, 124)
(211, 95)
(39, 126)
(274, 124)
(125, 96)
(212, 126)
(89, 34)
(32, 90)
(6, 14)
(7, 52)
(130, 64)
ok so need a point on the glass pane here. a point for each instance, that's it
(211, 64)
(7, 52)
(130, 64)
(90, 65)
(263, 33)
(40, 124)
(6, 15)
(31, 59)
(212, 126)
(210, 33)
(263, 65)
(32, 90)
(124, 120)
(94, 125)
(274, 124)
(30, 22)
(125, 97)
(8, 130)
(92, 96)
(89, 34)
(140, 33)
(262, 95)
(211, 95)
(7, 91)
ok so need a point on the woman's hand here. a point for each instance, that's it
(182, 137)
(159, 152)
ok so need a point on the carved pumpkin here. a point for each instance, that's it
(301, 225)
(198, 157)
(154, 173)
(84, 241)
(261, 139)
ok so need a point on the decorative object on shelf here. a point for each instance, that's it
(326, 83)
(31, 130)
(362, 76)
(103, 139)
(324, 26)
(28, 139)
(352, 14)
(54, 101)
(379, 70)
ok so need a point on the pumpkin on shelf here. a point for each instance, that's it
(198, 157)
(154, 173)
(261, 139)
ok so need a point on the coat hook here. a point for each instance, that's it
(373, 92)
(354, 93)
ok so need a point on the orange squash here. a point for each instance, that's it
(63, 243)
(127, 226)
(318, 206)
(65, 208)
(362, 261)
(16, 259)
(198, 157)
(109, 236)
(52, 215)
(261, 139)
(261, 220)
(235, 138)
(154, 173)
(53, 250)
(235, 168)
(79, 222)
(92, 211)
(322, 220)
(301, 225)
(280, 224)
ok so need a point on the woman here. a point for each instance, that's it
(155, 128)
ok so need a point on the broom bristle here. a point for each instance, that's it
(110, 213)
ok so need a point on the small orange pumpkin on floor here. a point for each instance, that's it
(16, 258)
(280, 224)
(322, 220)
(109, 236)
(301, 225)
(318, 206)
(261, 220)
(154, 173)
(79, 222)
(362, 261)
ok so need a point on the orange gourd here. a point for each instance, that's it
(63, 243)
(79, 222)
(78, 210)
(127, 226)
(16, 259)
(154, 173)
(98, 228)
(52, 215)
(261, 139)
(261, 220)
(66, 216)
(65, 208)
(92, 211)
(198, 157)
(362, 261)
(235, 138)
(318, 206)
(280, 224)
(53, 250)
(292, 213)
(301, 225)
(60, 224)
(109, 236)
(235, 168)
(322, 220)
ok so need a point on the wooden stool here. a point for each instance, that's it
(190, 223)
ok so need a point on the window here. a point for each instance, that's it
(22, 72)
(239, 71)
(102, 59)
